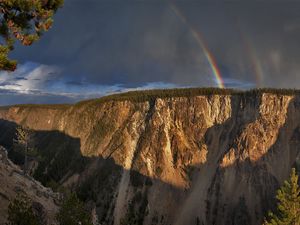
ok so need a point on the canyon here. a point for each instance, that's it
(187, 156)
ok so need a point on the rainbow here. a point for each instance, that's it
(251, 52)
(198, 37)
(258, 70)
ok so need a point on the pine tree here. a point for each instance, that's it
(72, 212)
(25, 21)
(24, 140)
(20, 212)
(288, 206)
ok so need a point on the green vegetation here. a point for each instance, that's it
(99, 186)
(99, 180)
(148, 95)
(57, 159)
(38, 106)
(24, 144)
(20, 212)
(24, 21)
(151, 95)
(101, 129)
(288, 207)
(72, 212)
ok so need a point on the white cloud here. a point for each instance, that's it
(36, 83)
(28, 78)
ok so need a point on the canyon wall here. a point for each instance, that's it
(200, 159)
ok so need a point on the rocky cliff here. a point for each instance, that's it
(13, 182)
(168, 157)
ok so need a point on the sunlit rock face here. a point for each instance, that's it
(204, 159)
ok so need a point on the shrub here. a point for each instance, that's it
(72, 212)
(20, 211)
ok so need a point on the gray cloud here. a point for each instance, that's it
(122, 43)
(112, 45)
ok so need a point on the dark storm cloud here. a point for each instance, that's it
(100, 46)
(129, 42)
(135, 42)
(75, 83)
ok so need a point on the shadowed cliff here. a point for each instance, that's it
(60, 165)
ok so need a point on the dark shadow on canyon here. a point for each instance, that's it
(95, 179)
(219, 139)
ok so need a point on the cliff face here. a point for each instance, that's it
(14, 182)
(204, 159)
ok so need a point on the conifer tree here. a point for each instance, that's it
(72, 212)
(288, 207)
(20, 212)
(24, 21)
(24, 140)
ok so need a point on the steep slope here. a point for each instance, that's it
(13, 182)
(168, 157)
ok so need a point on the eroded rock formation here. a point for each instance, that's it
(200, 159)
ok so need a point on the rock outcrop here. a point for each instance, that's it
(13, 182)
(182, 159)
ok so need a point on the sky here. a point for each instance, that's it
(99, 47)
